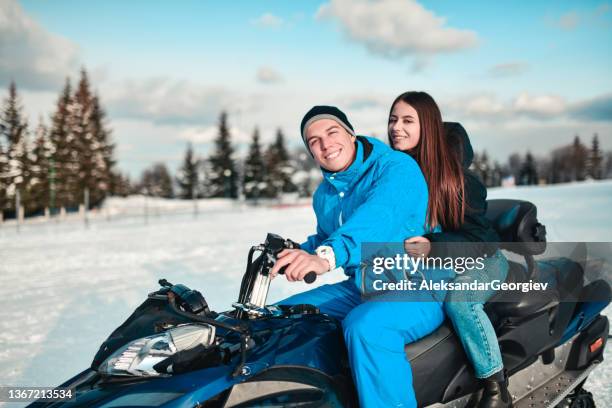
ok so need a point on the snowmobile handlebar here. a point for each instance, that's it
(256, 280)
(311, 276)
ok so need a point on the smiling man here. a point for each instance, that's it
(369, 193)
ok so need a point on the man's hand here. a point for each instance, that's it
(300, 263)
(417, 246)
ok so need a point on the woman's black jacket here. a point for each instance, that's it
(476, 236)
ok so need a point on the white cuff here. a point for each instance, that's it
(327, 253)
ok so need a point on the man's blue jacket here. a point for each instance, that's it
(381, 197)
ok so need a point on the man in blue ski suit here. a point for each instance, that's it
(369, 193)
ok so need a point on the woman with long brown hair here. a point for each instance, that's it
(455, 214)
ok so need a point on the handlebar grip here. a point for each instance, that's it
(310, 277)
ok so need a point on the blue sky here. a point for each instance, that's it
(520, 76)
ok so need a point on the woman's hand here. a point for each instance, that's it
(299, 264)
(417, 246)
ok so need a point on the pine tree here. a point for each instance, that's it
(529, 174)
(595, 159)
(3, 174)
(496, 175)
(279, 169)
(40, 181)
(84, 144)
(156, 181)
(475, 165)
(82, 151)
(187, 177)
(124, 187)
(485, 169)
(514, 166)
(207, 188)
(579, 160)
(480, 166)
(555, 170)
(64, 163)
(164, 181)
(307, 174)
(223, 175)
(103, 148)
(120, 185)
(91, 139)
(254, 169)
(15, 129)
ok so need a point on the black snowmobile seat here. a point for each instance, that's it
(517, 224)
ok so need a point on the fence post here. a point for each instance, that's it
(17, 209)
(107, 208)
(86, 199)
(146, 210)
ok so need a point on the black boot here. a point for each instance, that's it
(495, 392)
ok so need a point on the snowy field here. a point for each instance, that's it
(64, 288)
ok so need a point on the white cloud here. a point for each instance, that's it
(268, 20)
(420, 64)
(508, 69)
(489, 108)
(358, 102)
(166, 101)
(539, 106)
(268, 75)
(207, 134)
(190, 112)
(584, 18)
(569, 21)
(484, 106)
(396, 28)
(198, 135)
(31, 56)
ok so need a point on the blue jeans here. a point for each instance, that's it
(466, 310)
(375, 333)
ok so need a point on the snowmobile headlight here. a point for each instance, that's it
(138, 357)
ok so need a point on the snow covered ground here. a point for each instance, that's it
(64, 288)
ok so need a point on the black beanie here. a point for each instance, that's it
(324, 112)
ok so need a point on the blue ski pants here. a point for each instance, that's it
(375, 333)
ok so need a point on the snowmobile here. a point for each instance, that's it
(173, 351)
